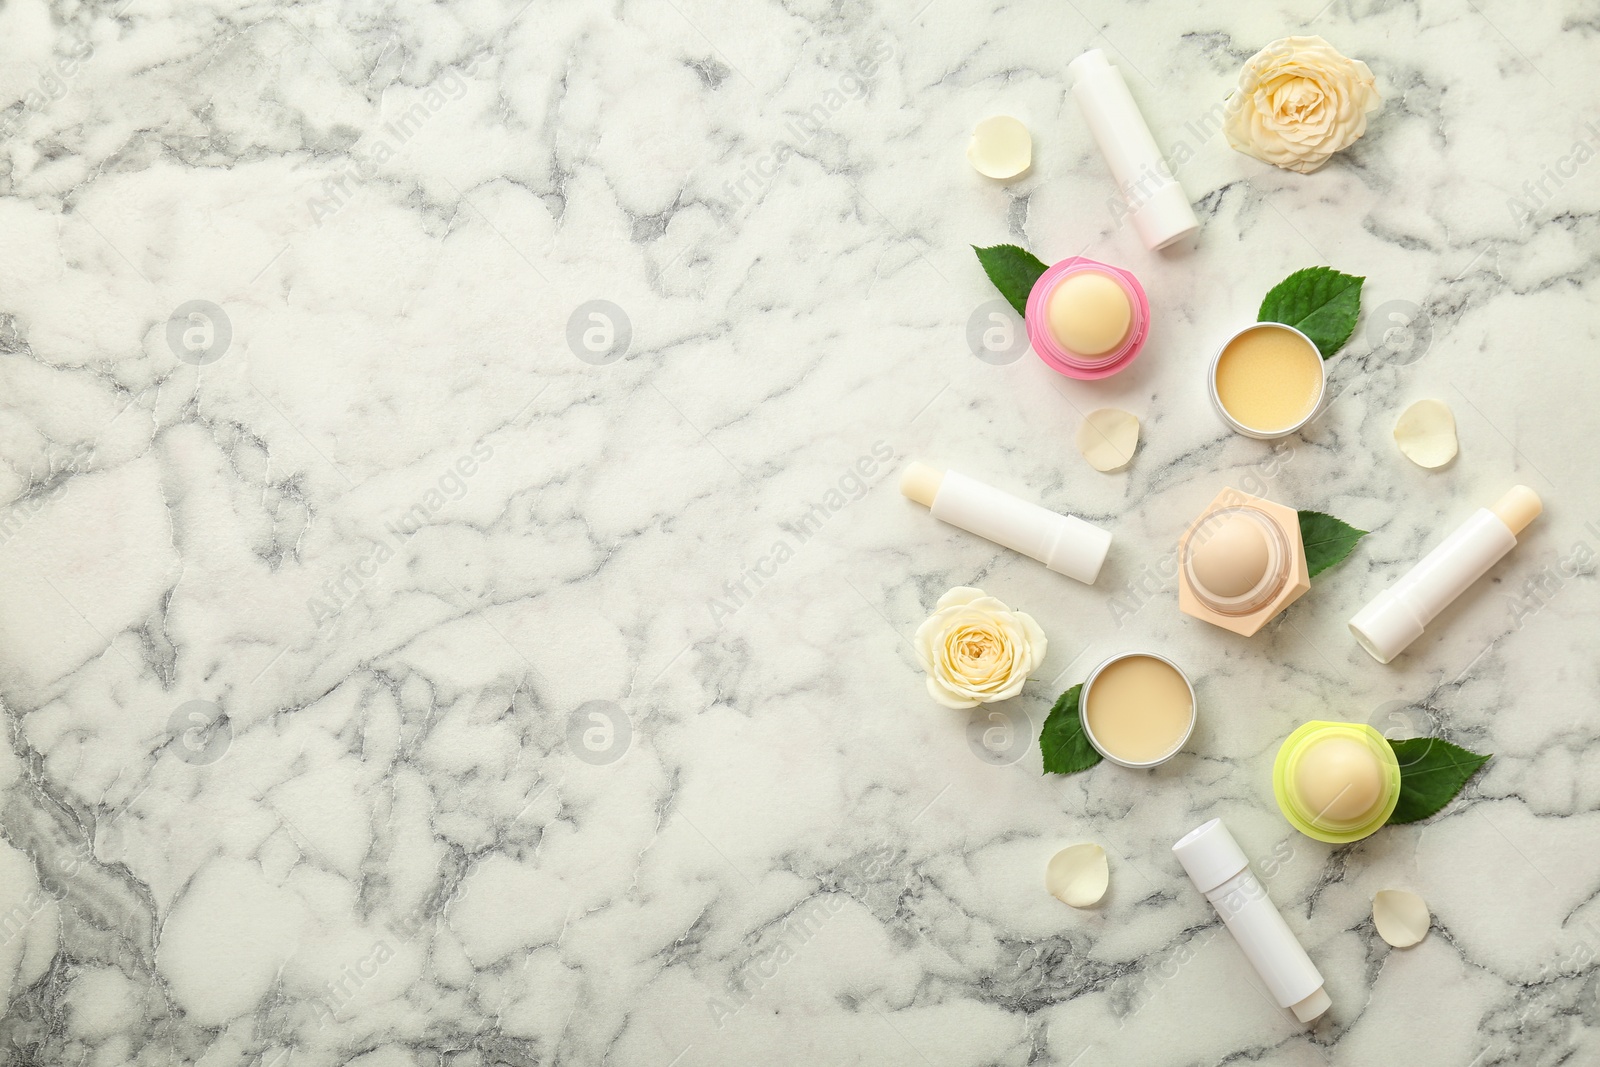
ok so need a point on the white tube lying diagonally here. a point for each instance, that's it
(1157, 205)
(1218, 868)
(1064, 543)
(1396, 617)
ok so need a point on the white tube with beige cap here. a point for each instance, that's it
(1396, 617)
(1218, 868)
(1064, 543)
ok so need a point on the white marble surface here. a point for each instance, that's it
(400, 535)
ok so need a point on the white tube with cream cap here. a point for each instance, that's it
(1218, 868)
(1064, 543)
(1396, 617)
(1157, 204)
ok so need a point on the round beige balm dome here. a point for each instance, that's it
(1089, 313)
(1233, 559)
(1339, 780)
(1236, 559)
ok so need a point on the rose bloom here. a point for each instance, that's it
(977, 650)
(1299, 101)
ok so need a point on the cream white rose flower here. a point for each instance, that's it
(1299, 101)
(977, 650)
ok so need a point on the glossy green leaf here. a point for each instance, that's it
(1432, 772)
(1327, 540)
(1013, 271)
(1319, 302)
(1062, 743)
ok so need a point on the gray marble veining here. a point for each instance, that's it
(455, 603)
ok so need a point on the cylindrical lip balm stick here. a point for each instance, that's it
(1156, 202)
(1064, 543)
(1397, 616)
(1218, 868)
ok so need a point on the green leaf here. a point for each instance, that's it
(1327, 540)
(1013, 271)
(1432, 772)
(1319, 302)
(1062, 742)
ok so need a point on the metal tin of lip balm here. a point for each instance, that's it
(1124, 759)
(1233, 423)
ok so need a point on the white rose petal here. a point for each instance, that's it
(961, 594)
(1298, 102)
(1078, 875)
(1001, 148)
(1426, 434)
(1401, 917)
(1107, 438)
(976, 650)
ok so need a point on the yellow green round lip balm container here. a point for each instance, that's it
(1336, 781)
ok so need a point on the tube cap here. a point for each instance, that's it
(1517, 508)
(1091, 60)
(1313, 1006)
(1080, 551)
(1210, 855)
(1165, 217)
(1385, 627)
(920, 482)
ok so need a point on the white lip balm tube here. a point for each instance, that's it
(1218, 867)
(1397, 616)
(1156, 202)
(1064, 543)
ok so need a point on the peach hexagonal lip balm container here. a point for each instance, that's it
(1241, 562)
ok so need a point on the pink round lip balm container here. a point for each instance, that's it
(1082, 365)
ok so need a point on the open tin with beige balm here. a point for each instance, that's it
(1137, 709)
(1267, 381)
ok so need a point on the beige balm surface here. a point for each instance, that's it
(1241, 562)
(1267, 380)
(1089, 313)
(1138, 709)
